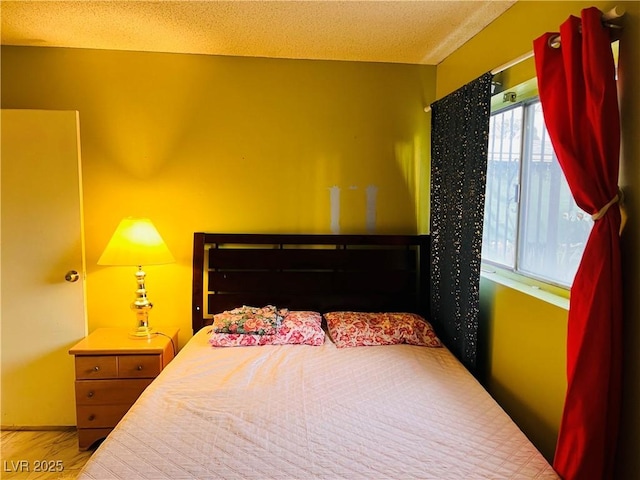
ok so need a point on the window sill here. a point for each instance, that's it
(536, 291)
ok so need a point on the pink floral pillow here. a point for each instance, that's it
(250, 320)
(358, 329)
(297, 327)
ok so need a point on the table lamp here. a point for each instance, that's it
(136, 242)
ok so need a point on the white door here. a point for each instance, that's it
(42, 314)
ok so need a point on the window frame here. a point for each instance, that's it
(526, 95)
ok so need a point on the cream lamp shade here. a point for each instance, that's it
(136, 242)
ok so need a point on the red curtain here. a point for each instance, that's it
(579, 99)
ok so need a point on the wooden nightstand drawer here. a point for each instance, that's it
(96, 366)
(109, 392)
(139, 366)
(100, 416)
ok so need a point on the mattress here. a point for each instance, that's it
(315, 412)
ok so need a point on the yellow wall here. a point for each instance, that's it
(525, 359)
(224, 144)
(526, 337)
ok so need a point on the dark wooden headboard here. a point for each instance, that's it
(309, 272)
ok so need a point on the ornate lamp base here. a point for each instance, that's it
(141, 306)
(143, 332)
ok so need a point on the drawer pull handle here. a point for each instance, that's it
(92, 417)
(90, 394)
(139, 368)
(96, 368)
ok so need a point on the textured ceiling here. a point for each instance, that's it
(417, 32)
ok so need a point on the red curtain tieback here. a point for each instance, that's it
(603, 210)
(619, 198)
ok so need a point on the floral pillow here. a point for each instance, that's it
(249, 320)
(357, 329)
(297, 327)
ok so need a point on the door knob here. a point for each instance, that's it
(72, 276)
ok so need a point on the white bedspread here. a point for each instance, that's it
(304, 412)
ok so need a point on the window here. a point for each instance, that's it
(532, 225)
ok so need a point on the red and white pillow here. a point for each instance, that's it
(297, 328)
(249, 320)
(358, 329)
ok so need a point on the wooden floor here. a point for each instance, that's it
(33, 454)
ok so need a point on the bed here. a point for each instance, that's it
(241, 404)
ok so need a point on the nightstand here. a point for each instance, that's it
(112, 370)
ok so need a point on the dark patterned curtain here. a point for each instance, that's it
(459, 140)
